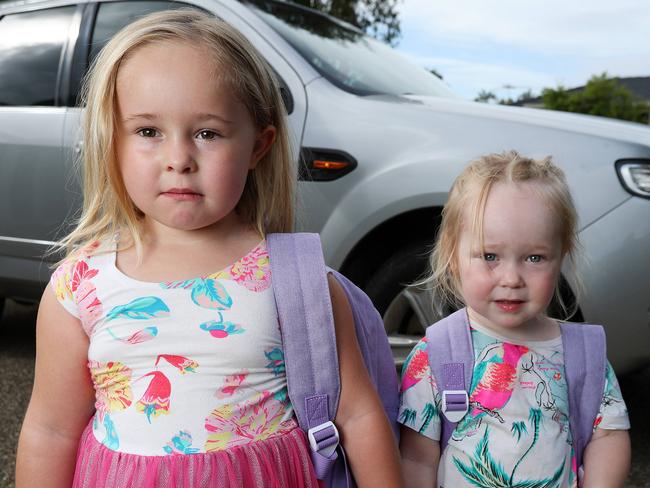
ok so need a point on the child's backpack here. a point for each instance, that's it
(451, 359)
(304, 309)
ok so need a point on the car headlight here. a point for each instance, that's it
(634, 175)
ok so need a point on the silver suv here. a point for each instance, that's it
(381, 141)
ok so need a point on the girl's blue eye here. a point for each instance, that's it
(207, 135)
(147, 132)
(489, 256)
(535, 258)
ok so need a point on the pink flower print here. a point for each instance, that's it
(138, 337)
(66, 277)
(220, 329)
(231, 384)
(236, 424)
(112, 382)
(155, 400)
(88, 305)
(183, 364)
(416, 367)
(61, 280)
(81, 273)
(73, 281)
(251, 271)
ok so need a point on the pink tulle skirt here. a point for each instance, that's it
(281, 461)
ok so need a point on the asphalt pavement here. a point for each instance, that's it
(17, 371)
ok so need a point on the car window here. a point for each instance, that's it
(345, 55)
(112, 16)
(31, 46)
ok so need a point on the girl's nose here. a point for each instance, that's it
(510, 276)
(180, 158)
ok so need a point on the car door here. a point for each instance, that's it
(33, 170)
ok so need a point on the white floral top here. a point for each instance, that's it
(516, 432)
(180, 367)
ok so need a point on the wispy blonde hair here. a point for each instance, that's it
(468, 196)
(267, 201)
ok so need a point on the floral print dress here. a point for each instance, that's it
(181, 367)
(516, 432)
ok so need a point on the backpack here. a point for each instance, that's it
(451, 359)
(304, 308)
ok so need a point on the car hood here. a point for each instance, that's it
(578, 123)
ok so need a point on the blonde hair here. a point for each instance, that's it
(470, 192)
(267, 201)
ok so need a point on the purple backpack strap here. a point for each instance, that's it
(585, 362)
(304, 308)
(451, 359)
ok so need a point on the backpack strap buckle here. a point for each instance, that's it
(324, 438)
(455, 404)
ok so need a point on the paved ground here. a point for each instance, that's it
(17, 369)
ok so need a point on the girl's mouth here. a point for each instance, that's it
(182, 194)
(510, 306)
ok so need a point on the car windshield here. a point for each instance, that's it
(345, 55)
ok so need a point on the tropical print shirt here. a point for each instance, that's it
(516, 432)
(180, 367)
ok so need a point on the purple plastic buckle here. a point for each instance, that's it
(455, 404)
(324, 438)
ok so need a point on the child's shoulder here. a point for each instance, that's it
(76, 266)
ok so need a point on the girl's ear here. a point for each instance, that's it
(263, 142)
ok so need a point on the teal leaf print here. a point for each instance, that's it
(209, 293)
(282, 396)
(111, 440)
(276, 360)
(180, 444)
(484, 472)
(408, 416)
(143, 308)
(519, 429)
(428, 413)
(220, 329)
(535, 418)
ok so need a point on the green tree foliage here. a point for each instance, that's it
(485, 96)
(601, 96)
(519, 101)
(379, 18)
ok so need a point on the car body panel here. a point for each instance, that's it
(618, 290)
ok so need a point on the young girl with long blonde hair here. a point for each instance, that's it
(159, 357)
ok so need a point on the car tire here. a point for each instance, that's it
(403, 268)
(391, 294)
